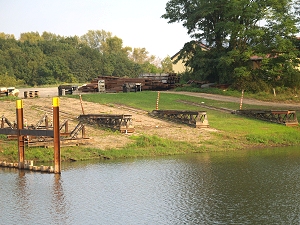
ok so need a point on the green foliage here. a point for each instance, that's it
(3, 137)
(251, 84)
(9, 98)
(234, 32)
(95, 38)
(154, 141)
(8, 149)
(52, 59)
(39, 154)
(9, 81)
(284, 137)
(167, 65)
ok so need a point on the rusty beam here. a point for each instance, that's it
(122, 122)
(285, 117)
(10, 131)
(56, 134)
(197, 119)
(20, 126)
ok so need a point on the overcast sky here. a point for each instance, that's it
(136, 22)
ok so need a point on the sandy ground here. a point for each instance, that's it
(70, 109)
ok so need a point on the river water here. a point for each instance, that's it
(243, 187)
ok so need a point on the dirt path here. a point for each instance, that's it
(236, 100)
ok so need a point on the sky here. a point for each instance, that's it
(136, 22)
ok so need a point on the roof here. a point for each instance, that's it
(203, 46)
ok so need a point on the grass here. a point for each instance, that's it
(239, 131)
(282, 94)
(9, 98)
(143, 146)
(144, 100)
(234, 132)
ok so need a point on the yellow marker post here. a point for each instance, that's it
(20, 126)
(56, 134)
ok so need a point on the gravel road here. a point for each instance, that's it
(43, 92)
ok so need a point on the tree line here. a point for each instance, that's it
(251, 44)
(45, 59)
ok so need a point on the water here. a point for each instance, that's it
(245, 187)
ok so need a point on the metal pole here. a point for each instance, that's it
(241, 104)
(83, 132)
(157, 100)
(81, 104)
(20, 126)
(56, 134)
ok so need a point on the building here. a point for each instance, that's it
(179, 67)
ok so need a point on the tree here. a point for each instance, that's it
(32, 37)
(95, 38)
(167, 65)
(47, 36)
(6, 36)
(53, 71)
(234, 31)
(52, 59)
(7, 80)
(139, 55)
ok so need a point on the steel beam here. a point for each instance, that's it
(197, 119)
(56, 134)
(20, 126)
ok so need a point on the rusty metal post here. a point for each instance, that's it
(56, 134)
(20, 126)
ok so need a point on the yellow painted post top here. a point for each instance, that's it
(19, 104)
(55, 102)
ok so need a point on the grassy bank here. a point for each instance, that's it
(232, 132)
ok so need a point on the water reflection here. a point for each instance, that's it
(257, 186)
(23, 195)
(59, 205)
(246, 187)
